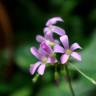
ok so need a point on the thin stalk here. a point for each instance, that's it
(87, 77)
(56, 75)
(69, 80)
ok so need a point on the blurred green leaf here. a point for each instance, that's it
(93, 15)
(3, 88)
(23, 56)
(53, 90)
(68, 6)
(81, 88)
(22, 92)
(89, 57)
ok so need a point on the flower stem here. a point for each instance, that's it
(69, 80)
(87, 77)
(56, 75)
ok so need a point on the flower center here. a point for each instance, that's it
(44, 60)
(50, 43)
(68, 52)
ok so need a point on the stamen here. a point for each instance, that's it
(44, 60)
(68, 51)
(50, 43)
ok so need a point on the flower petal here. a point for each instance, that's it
(41, 69)
(40, 38)
(65, 42)
(76, 55)
(46, 29)
(52, 60)
(54, 20)
(75, 46)
(43, 52)
(58, 30)
(33, 67)
(64, 58)
(58, 49)
(46, 47)
(49, 36)
(35, 52)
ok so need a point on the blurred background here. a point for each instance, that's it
(21, 21)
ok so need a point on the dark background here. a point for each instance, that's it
(21, 21)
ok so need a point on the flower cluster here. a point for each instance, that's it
(49, 47)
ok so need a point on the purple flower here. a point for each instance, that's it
(50, 27)
(50, 52)
(44, 56)
(67, 52)
(48, 40)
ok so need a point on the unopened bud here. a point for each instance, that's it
(35, 78)
(56, 75)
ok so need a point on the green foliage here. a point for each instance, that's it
(88, 57)
(29, 17)
(24, 57)
(22, 92)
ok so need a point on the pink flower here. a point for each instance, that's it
(66, 51)
(44, 55)
(50, 27)
(49, 52)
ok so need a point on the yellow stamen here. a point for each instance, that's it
(52, 44)
(68, 51)
(44, 60)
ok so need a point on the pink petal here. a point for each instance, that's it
(49, 36)
(43, 52)
(76, 55)
(46, 29)
(64, 58)
(75, 46)
(51, 61)
(41, 69)
(65, 42)
(35, 52)
(54, 20)
(33, 67)
(46, 47)
(58, 30)
(58, 49)
(40, 38)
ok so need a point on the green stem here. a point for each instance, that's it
(69, 80)
(56, 75)
(87, 77)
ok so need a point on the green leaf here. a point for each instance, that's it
(84, 75)
(53, 90)
(89, 57)
(22, 92)
(23, 57)
(81, 88)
